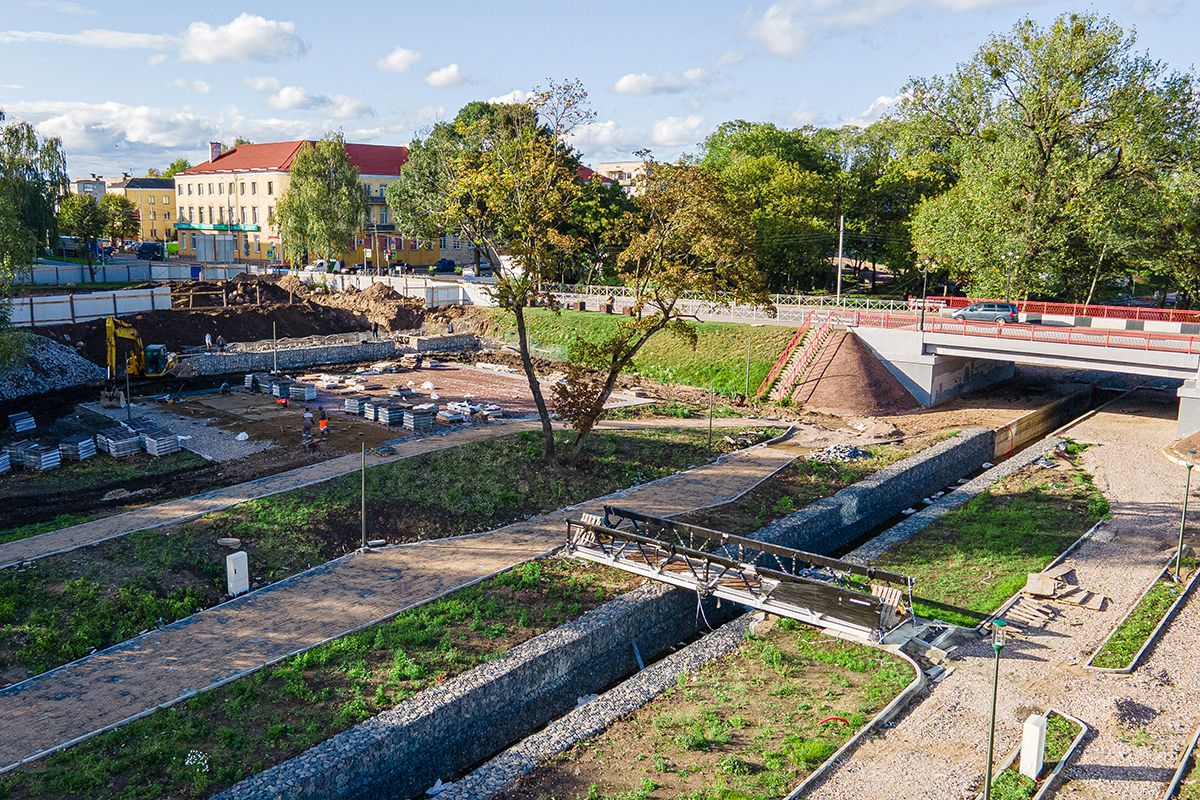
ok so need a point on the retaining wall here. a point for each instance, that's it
(1040, 421)
(235, 361)
(444, 730)
(830, 524)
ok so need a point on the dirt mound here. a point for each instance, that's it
(242, 290)
(855, 382)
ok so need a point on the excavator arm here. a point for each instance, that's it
(136, 363)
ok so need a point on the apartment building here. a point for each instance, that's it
(154, 199)
(226, 206)
(94, 186)
(625, 173)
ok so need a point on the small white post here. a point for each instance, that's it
(237, 573)
(1033, 746)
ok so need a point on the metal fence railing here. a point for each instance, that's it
(1076, 309)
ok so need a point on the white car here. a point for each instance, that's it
(317, 266)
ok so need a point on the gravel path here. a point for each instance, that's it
(214, 646)
(209, 441)
(947, 732)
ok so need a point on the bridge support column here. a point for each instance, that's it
(931, 379)
(1189, 408)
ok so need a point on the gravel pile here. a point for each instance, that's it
(48, 367)
(593, 717)
(840, 453)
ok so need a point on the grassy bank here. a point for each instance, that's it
(89, 599)
(802, 482)
(974, 558)
(749, 725)
(1012, 785)
(719, 357)
(1132, 633)
(214, 740)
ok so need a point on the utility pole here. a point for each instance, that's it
(274, 349)
(841, 236)
(1183, 518)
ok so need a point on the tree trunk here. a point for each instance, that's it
(1095, 278)
(535, 386)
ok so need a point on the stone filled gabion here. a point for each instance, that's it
(47, 367)
(840, 453)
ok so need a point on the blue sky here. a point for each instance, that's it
(130, 85)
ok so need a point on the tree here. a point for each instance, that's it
(324, 205)
(686, 237)
(239, 141)
(1060, 139)
(120, 217)
(79, 215)
(176, 166)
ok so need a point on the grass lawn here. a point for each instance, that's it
(974, 558)
(1129, 637)
(1012, 785)
(719, 357)
(1189, 788)
(746, 726)
(208, 743)
(671, 410)
(95, 597)
(802, 482)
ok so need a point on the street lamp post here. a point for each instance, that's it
(924, 292)
(999, 634)
(1183, 517)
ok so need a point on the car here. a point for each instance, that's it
(444, 265)
(999, 313)
(350, 269)
(150, 251)
(317, 266)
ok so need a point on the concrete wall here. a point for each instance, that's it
(830, 524)
(931, 379)
(445, 730)
(1040, 421)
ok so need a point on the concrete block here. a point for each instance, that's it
(1033, 746)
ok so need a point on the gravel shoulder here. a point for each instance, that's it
(947, 731)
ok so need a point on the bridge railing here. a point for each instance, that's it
(1075, 309)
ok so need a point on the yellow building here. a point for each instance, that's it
(154, 199)
(226, 206)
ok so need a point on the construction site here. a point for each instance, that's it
(294, 538)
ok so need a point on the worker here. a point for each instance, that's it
(308, 421)
(208, 342)
(220, 343)
(322, 421)
(450, 326)
(226, 388)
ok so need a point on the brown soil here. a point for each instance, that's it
(855, 382)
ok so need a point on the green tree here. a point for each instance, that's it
(79, 215)
(685, 237)
(120, 218)
(176, 166)
(1060, 137)
(239, 141)
(324, 205)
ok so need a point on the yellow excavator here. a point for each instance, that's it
(143, 361)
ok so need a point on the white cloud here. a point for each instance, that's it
(95, 37)
(880, 107)
(643, 83)
(446, 77)
(109, 126)
(262, 83)
(676, 131)
(511, 98)
(12, 87)
(780, 32)
(804, 114)
(157, 59)
(399, 60)
(606, 137)
(427, 114)
(248, 37)
(201, 87)
(342, 107)
(63, 7)
(293, 98)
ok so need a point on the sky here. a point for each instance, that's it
(130, 85)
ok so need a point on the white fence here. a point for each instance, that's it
(128, 272)
(30, 312)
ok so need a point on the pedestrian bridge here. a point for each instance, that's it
(938, 358)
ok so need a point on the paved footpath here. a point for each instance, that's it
(173, 512)
(946, 734)
(214, 646)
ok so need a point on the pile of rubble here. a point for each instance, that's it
(47, 367)
(840, 453)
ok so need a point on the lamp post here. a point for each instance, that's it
(999, 634)
(924, 291)
(1183, 517)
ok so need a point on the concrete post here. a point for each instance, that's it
(1033, 746)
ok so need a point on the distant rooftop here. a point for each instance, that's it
(370, 159)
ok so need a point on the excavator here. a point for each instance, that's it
(144, 361)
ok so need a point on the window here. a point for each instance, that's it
(241, 189)
(270, 187)
(220, 188)
(366, 189)
(189, 188)
(254, 188)
(150, 199)
(201, 216)
(153, 215)
(193, 241)
(383, 216)
(270, 214)
(231, 187)
(243, 216)
(211, 216)
(167, 199)
(221, 213)
(182, 239)
(442, 243)
(457, 243)
(254, 214)
(210, 191)
(199, 188)
(257, 244)
(154, 233)
(167, 215)
(180, 188)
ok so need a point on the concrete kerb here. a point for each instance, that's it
(1181, 770)
(1153, 637)
(1050, 781)
(257, 593)
(898, 703)
(592, 718)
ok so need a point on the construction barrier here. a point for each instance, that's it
(31, 312)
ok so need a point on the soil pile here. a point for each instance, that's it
(855, 382)
(244, 289)
(48, 367)
(379, 304)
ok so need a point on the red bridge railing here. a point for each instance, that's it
(1073, 309)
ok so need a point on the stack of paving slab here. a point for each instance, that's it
(370, 409)
(18, 452)
(419, 419)
(155, 439)
(354, 405)
(302, 391)
(77, 448)
(42, 457)
(118, 441)
(5, 462)
(264, 380)
(21, 422)
(390, 414)
(281, 388)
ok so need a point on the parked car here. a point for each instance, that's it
(151, 251)
(444, 265)
(988, 312)
(317, 266)
(350, 269)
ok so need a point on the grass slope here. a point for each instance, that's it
(719, 357)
